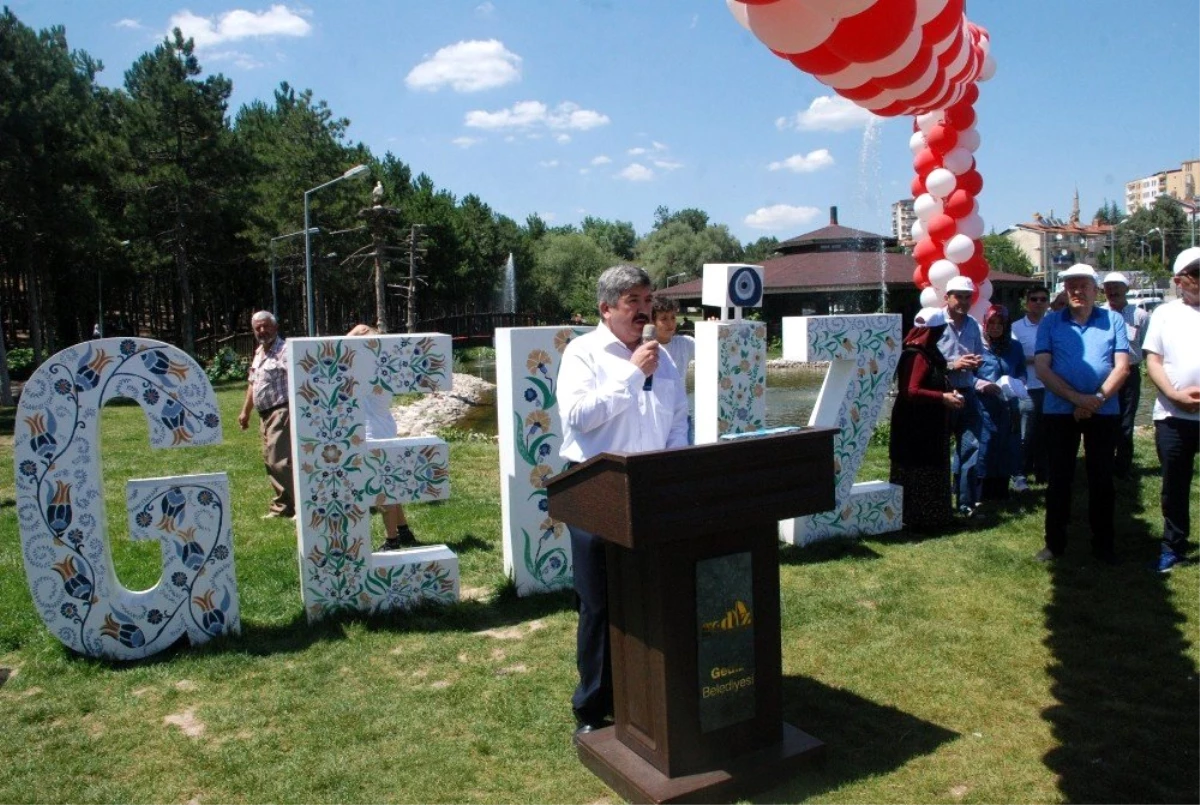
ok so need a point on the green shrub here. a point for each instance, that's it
(20, 363)
(227, 365)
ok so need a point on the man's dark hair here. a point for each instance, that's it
(663, 304)
(1035, 289)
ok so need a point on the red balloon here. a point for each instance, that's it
(958, 204)
(975, 268)
(960, 117)
(970, 67)
(941, 26)
(757, 2)
(818, 61)
(919, 278)
(941, 139)
(941, 227)
(927, 251)
(925, 161)
(951, 53)
(906, 76)
(895, 109)
(924, 100)
(917, 186)
(875, 33)
(971, 181)
(863, 92)
(970, 94)
(941, 100)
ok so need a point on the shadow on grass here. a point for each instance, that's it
(467, 543)
(1128, 712)
(829, 550)
(863, 739)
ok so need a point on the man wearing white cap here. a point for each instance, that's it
(1136, 319)
(962, 346)
(1173, 366)
(1082, 356)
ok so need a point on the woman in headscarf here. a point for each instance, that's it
(1003, 384)
(920, 438)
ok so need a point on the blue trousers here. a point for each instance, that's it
(1177, 441)
(966, 425)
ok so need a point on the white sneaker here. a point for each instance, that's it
(1019, 484)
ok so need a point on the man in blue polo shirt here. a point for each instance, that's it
(1082, 356)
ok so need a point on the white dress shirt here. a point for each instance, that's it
(1025, 331)
(604, 407)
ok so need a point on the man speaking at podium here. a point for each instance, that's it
(617, 392)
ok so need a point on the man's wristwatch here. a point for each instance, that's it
(1100, 396)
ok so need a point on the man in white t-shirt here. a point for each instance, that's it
(1172, 350)
(681, 348)
(1033, 445)
(1116, 286)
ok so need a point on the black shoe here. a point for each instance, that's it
(583, 728)
(404, 536)
(391, 544)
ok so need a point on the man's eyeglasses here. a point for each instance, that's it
(1042, 299)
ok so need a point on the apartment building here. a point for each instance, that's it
(903, 217)
(1182, 184)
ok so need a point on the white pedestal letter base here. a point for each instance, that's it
(863, 352)
(60, 502)
(537, 548)
(339, 475)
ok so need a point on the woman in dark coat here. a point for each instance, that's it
(920, 437)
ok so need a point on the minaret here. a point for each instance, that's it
(1075, 208)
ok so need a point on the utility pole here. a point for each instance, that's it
(413, 255)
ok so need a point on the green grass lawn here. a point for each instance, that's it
(951, 669)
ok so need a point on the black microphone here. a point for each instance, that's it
(649, 334)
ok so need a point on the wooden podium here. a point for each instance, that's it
(693, 598)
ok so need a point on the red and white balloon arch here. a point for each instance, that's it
(903, 57)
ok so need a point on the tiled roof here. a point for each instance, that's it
(808, 272)
(831, 233)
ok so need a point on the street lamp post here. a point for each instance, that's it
(271, 256)
(676, 276)
(1162, 238)
(308, 278)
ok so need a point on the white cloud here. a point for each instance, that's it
(804, 163)
(529, 115)
(658, 146)
(827, 113)
(636, 173)
(485, 9)
(243, 60)
(637, 152)
(781, 216)
(548, 163)
(467, 67)
(548, 217)
(602, 159)
(667, 165)
(131, 24)
(562, 139)
(231, 26)
(466, 142)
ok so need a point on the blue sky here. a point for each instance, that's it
(611, 108)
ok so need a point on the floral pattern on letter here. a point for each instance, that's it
(537, 548)
(863, 352)
(60, 502)
(731, 378)
(340, 475)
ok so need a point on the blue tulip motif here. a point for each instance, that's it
(157, 363)
(189, 550)
(213, 619)
(58, 509)
(172, 506)
(42, 427)
(127, 633)
(174, 418)
(75, 583)
(90, 367)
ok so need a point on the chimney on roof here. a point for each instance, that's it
(833, 216)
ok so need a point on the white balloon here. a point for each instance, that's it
(953, 39)
(985, 290)
(969, 139)
(921, 84)
(930, 297)
(941, 272)
(958, 160)
(926, 206)
(979, 309)
(738, 10)
(959, 249)
(989, 69)
(960, 59)
(839, 9)
(940, 182)
(885, 98)
(789, 26)
(928, 9)
(852, 75)
(918, 230)
(916, 143)
(985, 44)
(928, 120)
(971, 226)
(975, 206)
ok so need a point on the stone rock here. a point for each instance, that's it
(470, 398)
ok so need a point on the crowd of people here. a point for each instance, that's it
(986, 408)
